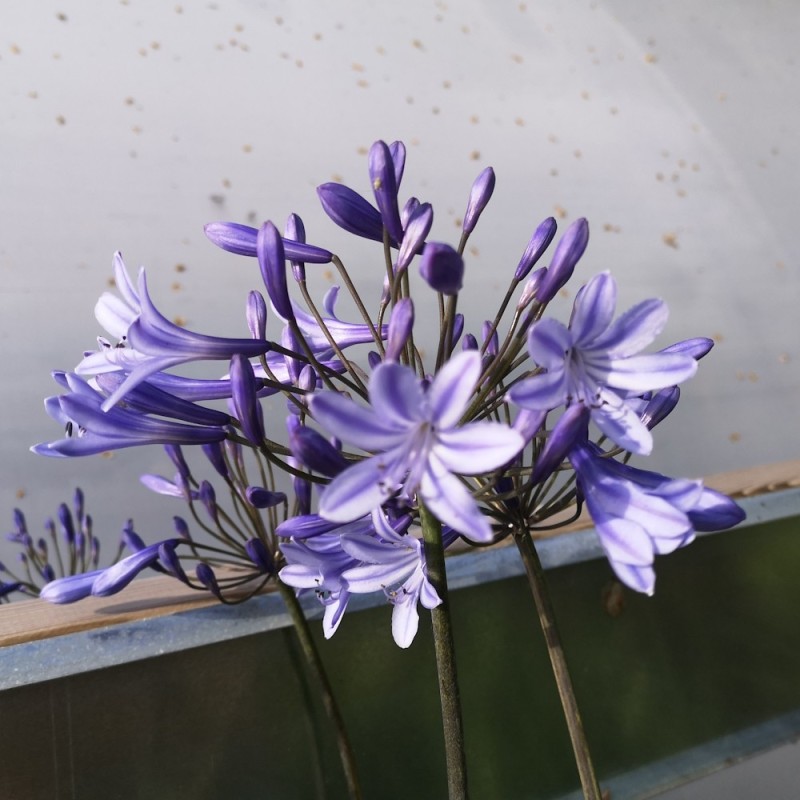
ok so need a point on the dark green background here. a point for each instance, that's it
(716, 650)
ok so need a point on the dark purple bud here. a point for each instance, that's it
(571, 426)
(413, 240)
(491, 344)
(78, 505)
(95, 551)
(398, 153)
(568, 251)
(401, 323)
(119, 575)
(349, 210)
(479, 196)
(295, 230)
(19, 521)
(715, 512)
(181, 528)
(242, 240)
(660, 406)
(80, 544)
(208, 497)
(374, 359)
(258, 497)
(47, 573)
(272, 261)
(206, 577)
(314, 451)
(260, 556)
(384, 185)
(504, 485)
(131, 539)
(442, 268)
(257, 315)
(170, 560)
(41, 546)
(531, 288)
(213, 452)
(412, 204)
(245, 401)
(176, 456)
(70, 589)
(458, 327)
(539, 242)
(696, 348)
(67, 526)
(9, 588)
(469, 343)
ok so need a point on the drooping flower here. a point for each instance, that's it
(594, 362)
(641, 514)
(92, 430)
(420, 446)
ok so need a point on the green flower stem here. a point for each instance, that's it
(558, 661)
(445, 659)
(329, 701)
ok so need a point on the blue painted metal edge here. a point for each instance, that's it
(654, 779)
(57, 657)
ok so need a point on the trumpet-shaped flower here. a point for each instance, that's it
(413, 429)
(641, 514)
(594, 362)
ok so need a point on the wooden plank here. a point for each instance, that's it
(31, 620)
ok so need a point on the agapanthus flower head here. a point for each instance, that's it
(594, 361)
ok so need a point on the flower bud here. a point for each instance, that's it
(349, 210)
(245, 401)
(419, 226)
(479, 196)
(442, 268)
(272, 261)
(384, 186)
(539, 242)
(401, 324)
(568, 251)
(242, 240)
(257, 315)
(295, 230)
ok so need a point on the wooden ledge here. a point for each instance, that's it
(33, 620)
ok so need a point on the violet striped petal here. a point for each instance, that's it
(477, 447)
(359, 425)
(452, 388)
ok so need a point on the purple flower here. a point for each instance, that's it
(91, 430)
(148, 341)
(394, 563)
(242, 240)
(594, 362)
(641, 514)
(272, 261)
(413, 427)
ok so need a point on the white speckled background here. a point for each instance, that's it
(671, 126)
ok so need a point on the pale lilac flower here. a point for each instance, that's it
(394, 563)
(413, 427)
(594, 362)
(641, 514)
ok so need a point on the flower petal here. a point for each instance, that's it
(477, 447)
(354, 423)
(452, 388)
